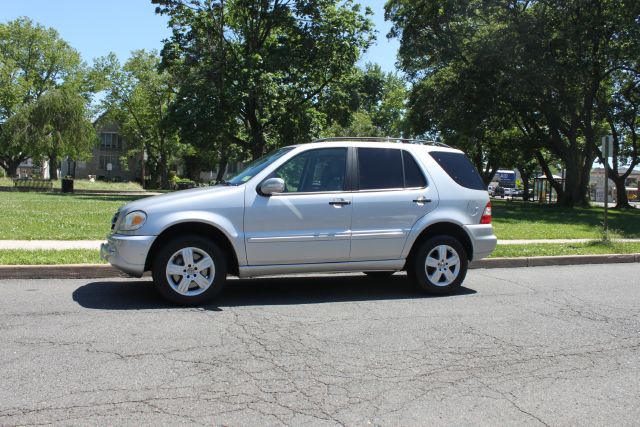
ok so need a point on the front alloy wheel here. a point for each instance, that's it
(440, 265)
(189, 270)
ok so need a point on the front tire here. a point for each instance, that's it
(189, 270)
(440, 265)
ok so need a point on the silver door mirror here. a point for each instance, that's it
(272, 185)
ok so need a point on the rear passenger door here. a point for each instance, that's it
(392, 193)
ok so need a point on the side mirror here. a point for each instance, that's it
(272, 185)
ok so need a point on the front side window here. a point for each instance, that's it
(315, 171)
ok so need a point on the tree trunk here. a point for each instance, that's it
(255, 128)
(152, 171)
(164, 173)
(53, 166)
(222, 168)
(12, 168)
(547, 172)
(576, 182)
(622, 201)
(526, 176)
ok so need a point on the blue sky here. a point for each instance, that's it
(96, 28)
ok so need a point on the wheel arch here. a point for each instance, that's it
(443, 228)
(200, 229)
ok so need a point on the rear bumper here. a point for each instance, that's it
(127, 253)
(482, 239)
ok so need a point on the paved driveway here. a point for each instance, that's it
(546, 345)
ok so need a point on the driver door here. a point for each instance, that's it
(310, 221)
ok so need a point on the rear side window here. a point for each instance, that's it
(459, 168)
(380, 168)
(413, 177)
(386, 168)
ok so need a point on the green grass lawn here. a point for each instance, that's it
(521, 220)
(84, 184)
(49, 257)
(49, 216)
(590, 248)
(87, 256)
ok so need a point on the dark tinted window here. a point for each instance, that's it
(315, 171)
(380, 168)
(459, 168)
(412, 175)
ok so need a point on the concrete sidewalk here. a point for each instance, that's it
(95, 244)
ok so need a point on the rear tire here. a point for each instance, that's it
(189, 270)
(439, 266)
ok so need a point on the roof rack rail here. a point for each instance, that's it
(382, 139)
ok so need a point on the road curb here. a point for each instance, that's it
(543, 261)
(98, 271)
(64, 271)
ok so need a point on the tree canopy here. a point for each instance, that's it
(537, 66)
(138, 98)
(44, 93)
(251, 75)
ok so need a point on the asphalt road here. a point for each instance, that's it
(546, 345)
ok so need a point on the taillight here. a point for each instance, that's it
(486, 214)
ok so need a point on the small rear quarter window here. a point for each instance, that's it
(459, 168)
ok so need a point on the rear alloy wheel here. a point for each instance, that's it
(440, 265)
(190, 270)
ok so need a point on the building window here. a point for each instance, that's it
(103, 161)
(110, 141)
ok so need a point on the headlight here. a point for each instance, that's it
(133, 221)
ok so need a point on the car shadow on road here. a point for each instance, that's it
(140, 295)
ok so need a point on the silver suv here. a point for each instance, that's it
(338, 205)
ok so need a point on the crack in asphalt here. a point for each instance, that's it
(380, 362)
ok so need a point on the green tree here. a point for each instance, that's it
(139, 98)
(63, 125)
(370, 103)
(621, 108)
(44, 95)
(541, 66)
(252, 74)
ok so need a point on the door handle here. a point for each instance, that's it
(422, 199)
(340, 202)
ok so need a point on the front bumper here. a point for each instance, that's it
(482, 239)
(127, 253)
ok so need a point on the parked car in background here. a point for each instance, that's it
(338, 205)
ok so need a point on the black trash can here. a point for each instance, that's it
(67, 185)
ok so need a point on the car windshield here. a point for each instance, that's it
(257, 166)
